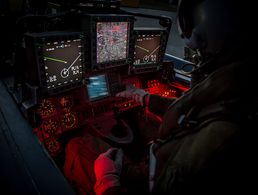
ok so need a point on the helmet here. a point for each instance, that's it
(212, 26)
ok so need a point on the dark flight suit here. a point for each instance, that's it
(205, 143)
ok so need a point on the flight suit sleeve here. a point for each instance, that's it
(158, 105)
(203, 161)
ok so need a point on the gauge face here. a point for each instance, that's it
(51, 127)
(69, 120)
(46, 107)
(53, 146)
(63, 62)
(147, 48)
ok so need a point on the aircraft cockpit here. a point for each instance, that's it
(69, 64)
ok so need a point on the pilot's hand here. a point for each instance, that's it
(138, 95)
(107, 168)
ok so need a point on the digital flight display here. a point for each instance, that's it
(147, 49)
(112, 41)
(62, 62)
(97, 87)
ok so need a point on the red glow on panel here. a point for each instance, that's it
(179, 86)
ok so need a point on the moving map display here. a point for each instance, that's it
(147, 49)
(112, 41)
(63, 62)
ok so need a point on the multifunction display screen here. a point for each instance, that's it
(63, 62)
(147, 49)
(112, 41)
(97, 87)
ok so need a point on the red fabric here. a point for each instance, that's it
(108, 167)
(81, 153)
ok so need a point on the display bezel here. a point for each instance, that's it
(42, 39)
(163, 44)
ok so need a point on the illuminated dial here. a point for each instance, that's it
(66, 102)
(53, 146)
(51, 127)
(147, 48)
(69, 120)
(63, 62)
(46, 107)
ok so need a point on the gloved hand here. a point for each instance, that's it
(107, 168)
(138, 95)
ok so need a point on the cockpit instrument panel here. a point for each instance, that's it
(57, 62)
